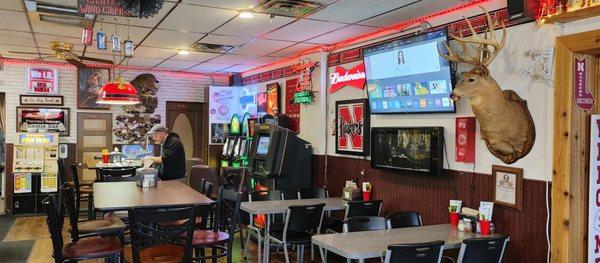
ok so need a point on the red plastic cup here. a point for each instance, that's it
(105, 158)
(453, 219)
(366, 196)
(484, 227)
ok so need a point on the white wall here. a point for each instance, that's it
(172, 87)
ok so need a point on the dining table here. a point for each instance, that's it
(119, 196)
(372, 244)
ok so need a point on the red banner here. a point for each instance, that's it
(465, 140)
(292, 111)
(341, 77)
(584, 100)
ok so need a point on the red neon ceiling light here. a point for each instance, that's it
(373, 35)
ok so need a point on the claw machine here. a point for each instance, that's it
(35, 171)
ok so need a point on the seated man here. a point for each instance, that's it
(172, 155)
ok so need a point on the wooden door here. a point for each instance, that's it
(188, 119)
(94, 133)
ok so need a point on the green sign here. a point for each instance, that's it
(303, 97)
(235, 125)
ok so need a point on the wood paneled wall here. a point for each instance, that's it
(406, 191)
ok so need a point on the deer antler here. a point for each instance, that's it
(484, 56)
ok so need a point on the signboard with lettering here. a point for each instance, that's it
(41, 100)
(594, 192)
(584, 100)
(42, 81)
(292, 110)
(54, 120)
(352, 127)
(341, 77)
(101, 7)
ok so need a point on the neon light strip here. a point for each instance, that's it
(120, 67)
(368, 36)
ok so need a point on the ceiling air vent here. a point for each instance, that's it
(211, 48)
(57, 14)
(291, 8)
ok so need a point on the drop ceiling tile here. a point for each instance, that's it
(43, 40)
(225, 40)
(64, 2)
(232, 59)
(262, 47)
(352, 11)
(238, 68)
(341, 34)
(193, 18)
(13, 20)
(143, 62)
(210, 67)
(302, 30)
(153, 52)
(230, 4)
(292, 50)
(171, 39)
(56, 29)
(144, 22)
(176, 64)
(11, 5)
(261, 61)
(260, 24)
(136, 34)
(16, 38)
(195, 56)
(410, 12)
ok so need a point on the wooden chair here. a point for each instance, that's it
(82, 193)
(220, 238)
(151, 242)
(109, 248)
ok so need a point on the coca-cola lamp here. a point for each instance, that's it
(118, 92)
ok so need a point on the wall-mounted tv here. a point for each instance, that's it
(409, 76)
(418, 149)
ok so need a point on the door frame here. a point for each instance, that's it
(203, 111)
(570, 182)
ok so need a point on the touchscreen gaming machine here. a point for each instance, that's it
(279, 159)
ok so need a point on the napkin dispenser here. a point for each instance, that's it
(146, 177)
(351, 193)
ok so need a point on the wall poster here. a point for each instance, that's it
(593, 230)
(38, 119)
(508, 186)
(90, 81)
(42, 81)
(292, 110)
(352, 127)
(223, 103)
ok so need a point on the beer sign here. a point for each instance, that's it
(341, 77)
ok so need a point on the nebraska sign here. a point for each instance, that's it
(594, 195)
(584, 100)
(342, 77)
(352, 127)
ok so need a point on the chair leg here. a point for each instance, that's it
(247, 243)
(312, 252)
(91, 208)
(213, 252)
(241, 236)
(285, 251)
(258, 247)
(267, 253)
(323, 253)
(300, 255)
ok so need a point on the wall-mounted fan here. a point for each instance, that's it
(62, 50)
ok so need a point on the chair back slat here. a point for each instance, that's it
(479, 250)
(265, 195)
(71, 211)
(117, 174)
(55, 223)
(365, 223)
(62, 172)
(146, 231)
(430, 252)
(363, 208)
(404, 219)
(228, 211)
(318, 192)
(306, 218)
(199, 172)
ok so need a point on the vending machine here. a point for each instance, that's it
(35, 170)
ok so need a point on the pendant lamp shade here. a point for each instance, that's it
(118, 92)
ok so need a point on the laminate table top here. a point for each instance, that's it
(281, 206)
(112, 196)
(372, 244)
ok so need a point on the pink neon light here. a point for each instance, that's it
(379, 33)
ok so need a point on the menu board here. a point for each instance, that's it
(23, 182)
(49, 183)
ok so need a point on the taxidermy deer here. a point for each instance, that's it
(505, 122)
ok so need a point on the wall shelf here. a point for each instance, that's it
(578, 14)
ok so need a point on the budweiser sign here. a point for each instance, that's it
(342, 77)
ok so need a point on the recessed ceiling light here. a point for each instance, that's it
(183, 52)
(246, 15)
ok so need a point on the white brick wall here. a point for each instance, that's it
(172, 87)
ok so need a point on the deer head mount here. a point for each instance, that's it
(505, 122)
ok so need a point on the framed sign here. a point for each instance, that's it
(508, 186)
(39, 100)
(38, 119)
(42, 81)
(90, 81)
(352, 127)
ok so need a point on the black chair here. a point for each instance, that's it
(116, 174)
(150, 242)
(365, 223)
(109, 247)
(199, 172)
(480, 250)
(313, 193)
(301, 223)
(404, 219)
(430, 252)
(220, 238)
(289, 194)
(82, 193)
(62, 173)
(207, 189)
(271, 195)
(354, 209)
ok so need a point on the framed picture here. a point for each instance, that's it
(508, 186)
(90, 81)
(40, 100)
(42, 81)
(42, 119)
(218, 133)
(352, 124)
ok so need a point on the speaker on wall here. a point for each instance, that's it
(522, 10)
(236, 80)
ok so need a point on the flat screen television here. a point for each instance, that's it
(409, 76)
(418, 149)
(263, 145)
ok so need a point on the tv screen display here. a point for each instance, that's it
(409, 76)
(263, 145)
(412, 148)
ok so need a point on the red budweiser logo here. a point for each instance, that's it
(341, 77)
